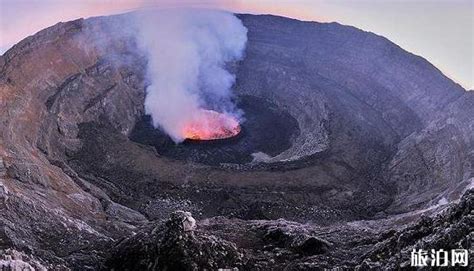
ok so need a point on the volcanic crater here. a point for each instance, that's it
(265, 130)
(341, 126)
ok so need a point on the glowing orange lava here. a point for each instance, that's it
(211, 125)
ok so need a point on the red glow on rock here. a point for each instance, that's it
(211, 125)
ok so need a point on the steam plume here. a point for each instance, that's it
(187, 52)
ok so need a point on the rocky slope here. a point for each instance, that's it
(284, 245)
(382, 136)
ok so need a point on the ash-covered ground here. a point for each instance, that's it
(353, 152)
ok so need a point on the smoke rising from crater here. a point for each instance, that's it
(187, 52)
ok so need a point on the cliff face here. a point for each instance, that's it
(379, 132)
(436, 162)
(49, 84)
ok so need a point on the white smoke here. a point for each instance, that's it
(187, 51)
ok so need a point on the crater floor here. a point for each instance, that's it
(265, 129)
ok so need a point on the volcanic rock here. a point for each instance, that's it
(174, 246)
(359, 138)
(12, 260)
(452, 229)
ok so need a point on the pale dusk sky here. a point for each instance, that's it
(442, 31)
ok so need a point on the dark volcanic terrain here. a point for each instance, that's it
(353, 152)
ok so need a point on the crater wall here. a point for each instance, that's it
(378, 131)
